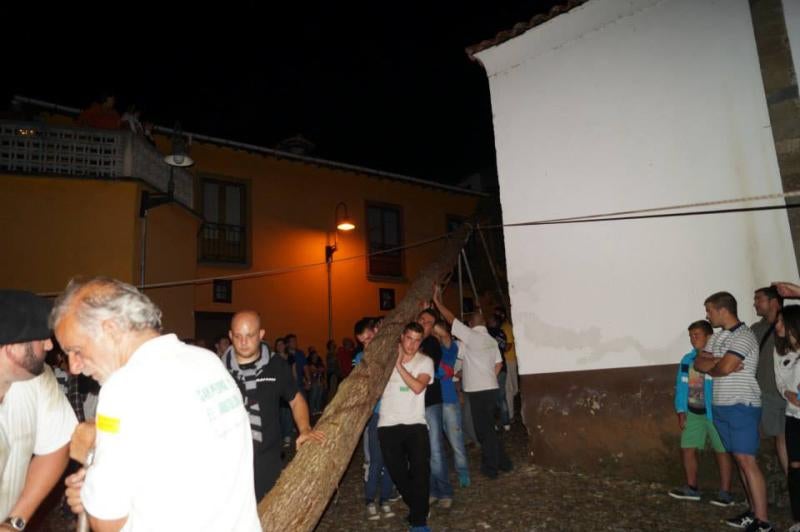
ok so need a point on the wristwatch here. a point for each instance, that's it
(17, 523)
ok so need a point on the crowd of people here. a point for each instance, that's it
(734, 387)
(168, 416)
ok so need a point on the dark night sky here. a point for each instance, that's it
(387, 89)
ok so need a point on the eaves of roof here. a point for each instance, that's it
(335, 165)
(522, 27)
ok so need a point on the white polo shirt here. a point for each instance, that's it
(173, 449)
(35, 419)
(399, 404)
(478, 357)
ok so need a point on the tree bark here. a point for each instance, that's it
(299, 498)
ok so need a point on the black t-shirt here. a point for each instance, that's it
(500, 337)
(433, 394)
(273, 383)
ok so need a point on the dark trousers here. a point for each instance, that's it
(793, 450)
(407, 455)
(493, 456)
(267, 467)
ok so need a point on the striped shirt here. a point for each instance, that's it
(738, 387)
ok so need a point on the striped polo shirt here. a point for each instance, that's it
(738, 387)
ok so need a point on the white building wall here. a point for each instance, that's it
(791, 12)
(617, 106)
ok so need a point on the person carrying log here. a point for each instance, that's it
(172, 449)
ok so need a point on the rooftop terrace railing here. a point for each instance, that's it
(38, 148)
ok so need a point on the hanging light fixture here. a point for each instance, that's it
(345, 223)
(179, 157)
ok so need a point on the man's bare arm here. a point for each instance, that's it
(417, 384)
(705, 362)
(721, 367)
(788, 290)
(437, 300)
(101, 525)
(43, 474)
(299, 408)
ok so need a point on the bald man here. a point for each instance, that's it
(264, 380)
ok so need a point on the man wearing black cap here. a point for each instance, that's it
(36, 421)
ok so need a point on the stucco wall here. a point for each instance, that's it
(53, 229)
(291, 215)
(627, 105)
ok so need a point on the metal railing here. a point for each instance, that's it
(386, 264)
(222, 243)
(38, 148)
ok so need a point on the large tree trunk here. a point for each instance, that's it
(304, 488)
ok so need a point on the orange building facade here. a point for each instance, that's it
(248, 228)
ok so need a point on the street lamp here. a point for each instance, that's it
(179, 158)
(343, 223)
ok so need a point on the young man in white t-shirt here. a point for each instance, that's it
(36, 421)
(402, 430)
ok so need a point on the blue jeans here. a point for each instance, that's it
(440, 486)
(502, 404)
(451, 414)
(315, 405)
(377, 473)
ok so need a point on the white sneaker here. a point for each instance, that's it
(372, 512)
(445, 503)
(794, 528)
(386, 510)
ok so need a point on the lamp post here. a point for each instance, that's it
(343, 223)
(179, 158)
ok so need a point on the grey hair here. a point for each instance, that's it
(111, 300)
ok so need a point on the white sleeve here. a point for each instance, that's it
(107, 490)
(792, 386)
(426, 368)
(776, 367)
(55, 421)
(461, 331)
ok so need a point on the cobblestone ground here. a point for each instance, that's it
(530, 498)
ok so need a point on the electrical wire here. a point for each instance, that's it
(635, 214)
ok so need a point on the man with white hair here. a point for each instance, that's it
(36, 421)
(172, 449)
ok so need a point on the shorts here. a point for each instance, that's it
(773, 418)
(737, 426)
(697, 430)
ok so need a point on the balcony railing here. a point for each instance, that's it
(37, 148)
(388, 262)
(222, 243)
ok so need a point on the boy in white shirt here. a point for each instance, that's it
(402, 430)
